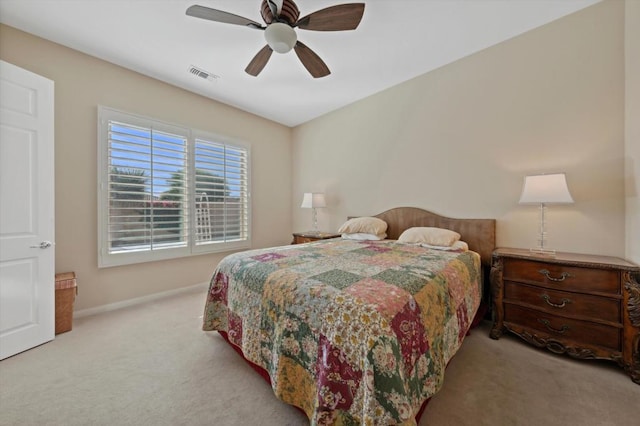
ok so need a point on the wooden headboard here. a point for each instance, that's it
(480, 234)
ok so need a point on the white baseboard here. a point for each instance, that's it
(138, 300)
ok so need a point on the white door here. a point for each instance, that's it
(27, 281)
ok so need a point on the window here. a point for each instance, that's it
(167, 191)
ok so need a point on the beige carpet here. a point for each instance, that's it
(151, 365)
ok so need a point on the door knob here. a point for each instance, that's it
(43, 245)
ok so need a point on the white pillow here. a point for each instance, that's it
(428, 235)
(457, 246)
(364, 225)
(364, 237)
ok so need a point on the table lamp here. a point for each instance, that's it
(543, 190)
(313, 200)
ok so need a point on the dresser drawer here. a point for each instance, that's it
(562, 277)
(581, 332)
(564, 303)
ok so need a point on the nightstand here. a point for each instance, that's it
(585, 306)
(309, 236)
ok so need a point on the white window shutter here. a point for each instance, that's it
(221, 192)
(148, 208)
(152, 174)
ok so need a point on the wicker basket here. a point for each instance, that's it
(66, 290)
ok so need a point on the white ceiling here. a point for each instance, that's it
(396, 41)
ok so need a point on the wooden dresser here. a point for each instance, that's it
(309, 236)
(583, 305)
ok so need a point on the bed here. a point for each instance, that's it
(354, 332)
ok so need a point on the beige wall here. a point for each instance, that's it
(81, 83)
(459, 140)
(632, 128)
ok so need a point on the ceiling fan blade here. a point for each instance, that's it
(274, 7)
(220, 16)
(279, 11)
(311, 61)
(335, 18)
(259, 61)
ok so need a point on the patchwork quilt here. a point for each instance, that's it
(351, 332)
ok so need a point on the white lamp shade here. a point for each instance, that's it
(280, 37)
(545, 189)
(313, 200)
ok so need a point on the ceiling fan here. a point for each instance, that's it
(281, 19)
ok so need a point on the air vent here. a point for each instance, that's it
(203, 74)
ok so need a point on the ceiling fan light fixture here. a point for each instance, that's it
(280, 37)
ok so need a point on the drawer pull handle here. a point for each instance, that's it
(547, 274)
(547, 324)
(555, 305)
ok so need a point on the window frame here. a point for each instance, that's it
(106, 259)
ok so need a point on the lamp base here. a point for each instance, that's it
(315, 219)
(543, 251)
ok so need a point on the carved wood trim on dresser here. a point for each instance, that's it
(585, 306)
